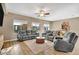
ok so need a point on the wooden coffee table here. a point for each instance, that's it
(40, 40)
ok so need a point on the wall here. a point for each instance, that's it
(8, 23)
(74, 23)
(1, 30)
(51, 25)
(1, 27)
(8, 31)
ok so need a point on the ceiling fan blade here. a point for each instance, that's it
(47, 13)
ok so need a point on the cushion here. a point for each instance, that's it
(67, 36)
(72, 37)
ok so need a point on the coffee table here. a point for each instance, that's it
(40, 40)
(37, 48)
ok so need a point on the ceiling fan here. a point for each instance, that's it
(42, 12)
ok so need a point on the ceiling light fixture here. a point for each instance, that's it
(42, 12)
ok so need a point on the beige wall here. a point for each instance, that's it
(7, 28)
(51, 25)
(1, 27)
(74, 23)
(1, 30)
(8, 23)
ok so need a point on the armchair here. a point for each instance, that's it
(67, 43)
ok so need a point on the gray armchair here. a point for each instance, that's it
(48, 35)
(67, 43)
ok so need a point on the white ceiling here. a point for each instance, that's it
(58, 11)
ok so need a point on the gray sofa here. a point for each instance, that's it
(26, 35)
(49, 35)
(22, 35)
(67, 43)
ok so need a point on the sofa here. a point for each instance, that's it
(67, 43)
(26, 35)
(49, 35)
(22, 35)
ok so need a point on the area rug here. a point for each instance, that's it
(36, 48)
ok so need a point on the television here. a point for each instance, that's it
(1, 15)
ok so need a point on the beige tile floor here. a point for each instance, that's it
(25, 48)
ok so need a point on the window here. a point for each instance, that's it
(18, 25)
(35, 26)
(16, 28)
(46, 27)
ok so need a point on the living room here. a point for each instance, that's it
(57, 19)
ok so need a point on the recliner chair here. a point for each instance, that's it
(67, 43)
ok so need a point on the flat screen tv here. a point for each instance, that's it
(1, 15)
